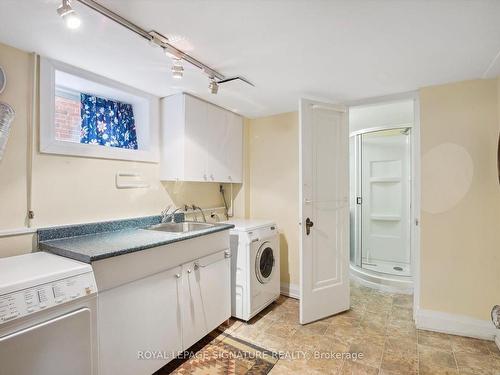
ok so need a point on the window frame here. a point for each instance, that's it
(148, 121)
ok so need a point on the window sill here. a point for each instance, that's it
(97, 151)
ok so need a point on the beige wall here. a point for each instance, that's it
(71, 189)
(17, 65)
(273, 181)
(460, 269)
(460, 233)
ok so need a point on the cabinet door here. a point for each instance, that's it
(234, 148)
(138, 319)
(216, 142)
(206, 296)
(197, 135)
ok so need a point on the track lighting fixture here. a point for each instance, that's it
(155, 39)
(69, 15)
(177, 68)
(213, 86)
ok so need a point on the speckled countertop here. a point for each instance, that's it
(91, 242)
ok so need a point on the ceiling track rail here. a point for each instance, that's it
(152, 37)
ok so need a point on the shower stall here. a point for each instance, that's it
(381, 194)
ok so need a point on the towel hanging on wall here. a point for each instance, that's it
(7, 114)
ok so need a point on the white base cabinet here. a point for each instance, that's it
(147, 315)
(139, 320)
(206, 296)
(200, 141)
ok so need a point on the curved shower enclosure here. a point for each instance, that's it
(380, 196)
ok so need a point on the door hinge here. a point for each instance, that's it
(417, 222)
(359, 200)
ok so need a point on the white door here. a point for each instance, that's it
(234, 148)
(140, 317)
(197, 135)
(214, 141)
(324, 191)
(386, 201)
(206, 292)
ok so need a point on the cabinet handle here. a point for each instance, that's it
(196, 266)
(177, 275)
(227, 254)
(189, 270)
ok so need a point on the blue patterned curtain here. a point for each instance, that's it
(107, 123)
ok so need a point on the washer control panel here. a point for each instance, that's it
(25, 302)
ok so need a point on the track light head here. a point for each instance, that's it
(213, 86)
(177, 69)
(69, 15)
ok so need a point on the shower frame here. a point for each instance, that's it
(377, 280)
(358, 207)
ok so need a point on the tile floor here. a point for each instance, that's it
(379, 325)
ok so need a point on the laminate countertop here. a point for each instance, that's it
(96, 241)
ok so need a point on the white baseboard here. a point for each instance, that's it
(455, 325)
(290, 290)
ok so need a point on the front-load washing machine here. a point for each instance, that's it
(255, 266)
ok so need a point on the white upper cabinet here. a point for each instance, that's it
(200, 141)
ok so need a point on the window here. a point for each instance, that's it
(87, 115)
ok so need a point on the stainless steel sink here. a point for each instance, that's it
(183, 227)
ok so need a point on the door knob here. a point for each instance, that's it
(309, 225)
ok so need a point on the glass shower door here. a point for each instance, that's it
(384, 161)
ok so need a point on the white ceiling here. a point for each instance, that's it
(330, 50)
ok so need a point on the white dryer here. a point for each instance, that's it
(47, 316)
(255, 266)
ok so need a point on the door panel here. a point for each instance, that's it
(215, 141)
(196, 142)
(206, 296)
(59, 346)
(386, 199)
(140, 316)
(234, 149)
(324, 200)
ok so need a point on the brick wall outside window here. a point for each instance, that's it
(68, 120)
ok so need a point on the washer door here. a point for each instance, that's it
(264, 262)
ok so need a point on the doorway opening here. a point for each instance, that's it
(381, 193)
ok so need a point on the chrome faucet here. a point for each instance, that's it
(194, 207)
(167, 217)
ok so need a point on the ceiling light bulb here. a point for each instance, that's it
(72, 21)
(213, 86)
(69, 15)
(177, 70)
